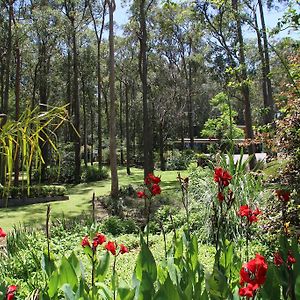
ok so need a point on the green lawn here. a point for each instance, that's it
(80, 197)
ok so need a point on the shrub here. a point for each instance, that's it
(116, 226)
(19, 192)
(93, 173)
(179, 160)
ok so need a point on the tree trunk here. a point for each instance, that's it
(190, 101)
(112, 123)
(76, 103)
(17, 111)
(99, 106)
(85, 151)
(245, 87)
(127, 125)
(8, 57)
(264, 74)
(161, 146)
(270, 114)
(143, 69)
(92, 135)
(43, 83)
(121, 125)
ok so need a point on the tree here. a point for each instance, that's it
(112, 120)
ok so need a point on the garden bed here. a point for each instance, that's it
(12, 202)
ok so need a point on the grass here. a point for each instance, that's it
(80, 197)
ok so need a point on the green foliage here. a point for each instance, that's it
(93, 173)
(223, 126)
(179, 160)
(36, 191)
(27, 133)
(116, 226)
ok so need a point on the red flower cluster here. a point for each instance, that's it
(99, 239)
(222, 177)
(2, 233)
(152, 183)
(251, 215)
(10, 293)
(283, 195)
(278, 260)
(254, 274)
(151, 179)
(112, 247)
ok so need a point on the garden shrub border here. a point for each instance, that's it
(15, 202)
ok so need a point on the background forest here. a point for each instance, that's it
(171, 61)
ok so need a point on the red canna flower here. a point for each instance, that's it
(123, 249)
(254, 271)
(2, 233)
(99, 239)
(278, 260)
(245, 211)
(85, 242)
(150, 178)
(283, 195)
(141, 194)
(222, 177)
(111, 247)
(291, 259)
(10, 293)
(221, 197)
(249, 290)
(155, 189)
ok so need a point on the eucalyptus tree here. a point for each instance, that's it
(223, 22)
(45, 23)
(98, 12)
(112, 108)
(76, 13)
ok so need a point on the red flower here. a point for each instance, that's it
(2, 233)
(248, 290)
(278, 260)
(11, 292)
(123, 249)
(99, 239)
(155, 189)
(283, 195)
(245, 211)
(254, 271)
(111, 247)
(85, 242)
(222, 177)
(291, 259)
(141, 194)
(221, 197)
(150, 178)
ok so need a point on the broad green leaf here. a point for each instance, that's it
(68, 292)
(67, 274)
(53, 284)
(167, 291)
(102, 266)
(145, 263)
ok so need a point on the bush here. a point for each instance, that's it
(116, 226)
(179, 160)
(93, 173)
(36, 191)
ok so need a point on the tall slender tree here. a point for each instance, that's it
(112, 108)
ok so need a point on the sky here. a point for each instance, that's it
(271, 18)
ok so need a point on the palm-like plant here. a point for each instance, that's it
(32, 127)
